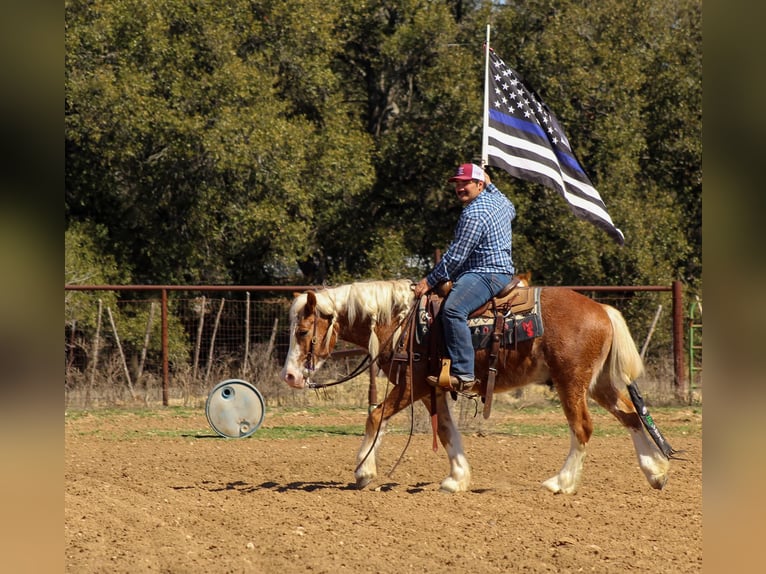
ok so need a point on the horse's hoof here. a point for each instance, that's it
(450, 485)
(552, 484)
(658, 482)
(363, 481)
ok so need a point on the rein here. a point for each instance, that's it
(366, 361)
(409, 331)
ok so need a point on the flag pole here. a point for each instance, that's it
(485, 120)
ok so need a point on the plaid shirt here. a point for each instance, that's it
(482, 241)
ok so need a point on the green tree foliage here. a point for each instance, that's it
(85, 263)
(673, 122)
(196, 134)
(595, 65)
(253, 142)
(402, 63)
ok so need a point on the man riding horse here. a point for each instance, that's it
(478, 263)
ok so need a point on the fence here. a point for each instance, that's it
(695, 346)
(133, 342)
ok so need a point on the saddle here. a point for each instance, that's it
(517, 300)
(491, 320)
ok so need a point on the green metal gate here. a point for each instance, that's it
(695, 349)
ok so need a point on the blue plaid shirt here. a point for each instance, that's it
(482, 241)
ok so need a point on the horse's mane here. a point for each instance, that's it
(379, 301)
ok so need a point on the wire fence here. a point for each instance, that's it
(115, 353)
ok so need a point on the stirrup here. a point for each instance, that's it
(454, 385)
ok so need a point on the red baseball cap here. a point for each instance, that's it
(468, 171)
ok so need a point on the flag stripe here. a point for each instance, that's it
(525, 139)
(582, 208)
(544, 156)
(574, 192)
(533, 131)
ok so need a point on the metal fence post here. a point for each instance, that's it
(678, 341)
(165, 375)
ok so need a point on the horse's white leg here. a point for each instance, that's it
(367, 457)
(460, 472)
(653, 463)
(625, 365)
(568, 478)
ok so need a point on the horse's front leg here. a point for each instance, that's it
(568, 479)
(460, 471)
(573, 400)
(367, 459)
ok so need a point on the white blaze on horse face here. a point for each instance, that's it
(292, 372)
(295, 371)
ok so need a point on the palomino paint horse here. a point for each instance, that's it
(585, 350)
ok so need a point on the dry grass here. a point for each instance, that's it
(108, 388)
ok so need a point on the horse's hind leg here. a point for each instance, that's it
(573, 401)
(653, 463)
(460, 472)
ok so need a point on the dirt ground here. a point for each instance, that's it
(159, 491)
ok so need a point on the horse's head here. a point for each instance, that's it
(313, 334)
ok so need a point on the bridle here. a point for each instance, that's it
(309, 366)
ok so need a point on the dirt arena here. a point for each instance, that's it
(158, 491)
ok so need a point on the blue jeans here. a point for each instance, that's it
(469, 292)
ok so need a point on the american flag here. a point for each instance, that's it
(526, 140)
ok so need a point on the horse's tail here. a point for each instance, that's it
(625, 362)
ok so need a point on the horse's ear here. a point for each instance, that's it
(311, 303)
(295, 294)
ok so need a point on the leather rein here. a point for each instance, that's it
(309, 366)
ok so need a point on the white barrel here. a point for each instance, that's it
(234, 408)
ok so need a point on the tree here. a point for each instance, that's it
(592, 64)
(194, 134)
(401, 61)
(673, 118)
(255, 143)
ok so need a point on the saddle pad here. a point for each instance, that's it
(522, 328)
(527, 325)
(481, 332)
(518, 326)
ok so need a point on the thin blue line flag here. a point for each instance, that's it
(526, 140)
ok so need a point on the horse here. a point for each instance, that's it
(586, 350)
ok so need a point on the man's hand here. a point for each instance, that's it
(421, 288)
(487, 181)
